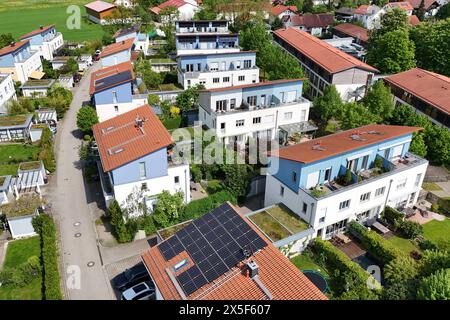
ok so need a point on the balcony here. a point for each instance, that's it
(196, 74)
(381, 169)
(51, 37)
(274, 103)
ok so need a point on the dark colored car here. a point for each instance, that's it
(130, 277)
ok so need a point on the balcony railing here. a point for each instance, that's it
(196, 74)
(274, 103)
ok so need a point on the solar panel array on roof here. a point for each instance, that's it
(216, 242)
(113, 79)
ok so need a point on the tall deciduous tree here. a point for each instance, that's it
(327, 106)
(356, 115)
(379, 101)
(188, 99)
(168, 208)
(86, 118)
(118, 223)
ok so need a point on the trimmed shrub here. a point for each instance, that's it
(214, 186)
(400, 269)
(381, 249)
(392, 215)
(45, 227)
(411, 229)
(197, 208)
(196, 173)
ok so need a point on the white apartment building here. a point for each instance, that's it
(306, 177)
(253, 110)
(46, 40)
(7, 91)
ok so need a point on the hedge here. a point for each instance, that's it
(197, 208)
(45, 227)
(343, 268)
(392, 215)
(381, 249)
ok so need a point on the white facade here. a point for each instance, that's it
(23, 69)
(157, 185)
(401, 188)
(111, 110)
(7, 91)
(47, 48)
(21, 227)
(84, 62)
(219, 79)
(125, 3)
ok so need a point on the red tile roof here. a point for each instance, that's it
(413, 20)
(405, 5)
(353, 31)
(171, 3)
(37, 31)
(12, 48)
(281, 278)
(121, 141)
(319, 20)
(342, 142)
(281, 8)
(427, 3)
(430, 87)
(99, 75)
(362, 9)
(117, 47)
(252, 85)
(324, 54)
(99, 6)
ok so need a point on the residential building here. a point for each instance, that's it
(99, 11)
(253, 110)
(84, 61)
(280, 11)
(326, 65)
(221, 256)
(217, 70)
(14, 128)
(202, 37)
(360, 34)
(46, 40)
(349, 46)
(133, 149)
(37, 88)
(7, 92)
(315, 24)
(370, 15)
(117, 53)
(141, 40)
(308, 177)
(125, 3)
(112, 90)
(424, 91)
(186, 9)
(21, 61)
(66, 81)
(61, 61)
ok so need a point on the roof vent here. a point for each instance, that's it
(123, 41)
(115, 151)
(357, 137)
(252, 268)
(41, 27)
(12, 43)
(375, 132)
(318, 147)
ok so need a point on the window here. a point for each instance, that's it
(251, 100)
(216, 80)
(226, 79)
(365, 197)
(247, 64)
(202, 81)
(116, 108)
(214, 66)
(344, 205)
(114, 94)
(287, 115)
(365, 162)
(327, 175)
(294, 176)
(144, 186)
(189, 83)
(386, 153)
(304, 207)
(281, 191)
(232, 103)
(418, 179)
(257, 120)
(322, 220)
(241, 78)
(303, 115)
(142, 170)
(189, 67)
(411, 198)
(401, 184)
(177, 179)
(222, 125)
(239, 123)
(221, 105)
(380, 191)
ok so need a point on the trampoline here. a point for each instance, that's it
(317, 279)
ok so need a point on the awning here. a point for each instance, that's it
(37, 75)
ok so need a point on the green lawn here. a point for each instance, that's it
(303, 262)
(403, 244)
(437, 231)
(8, 169)
(431, 186)
(17, 253)
(12, 154)
(31, 18)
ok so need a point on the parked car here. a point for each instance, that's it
(130, 277)
(142, 291)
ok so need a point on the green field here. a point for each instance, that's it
(21, 17)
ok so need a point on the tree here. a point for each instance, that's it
(134, 204)
(254, 37)
(443, 12)
(50, 73)
(435, 286)
(206, 13)
(71, 67)
(418, 145)
(277, 24)
(153, 99)
(434, 260)
(6, 39)
(392, 20)
(356, 115)
(308, 6)
(107, 39)
(432, 46)
(168, 208)
(188, 99)
(392, 52)
(379, 101)
(421, 10)
(118, 223)
(86, 118)
(328, 105)
(437, 139)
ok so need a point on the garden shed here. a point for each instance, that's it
(19, 215)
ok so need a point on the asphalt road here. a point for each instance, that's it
(83, 276)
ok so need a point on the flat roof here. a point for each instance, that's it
(342, 142)
(38, 84)
(430, 87)
(215, 54)
(328, 57)
(15, 122)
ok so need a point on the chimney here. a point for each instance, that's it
(123, 41)
(252, 268)
(12, 43)
(41, 27)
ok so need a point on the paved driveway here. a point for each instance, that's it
(79, 246)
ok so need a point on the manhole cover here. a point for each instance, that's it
(90, 264)
(76, 224)
(77, 235)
